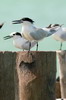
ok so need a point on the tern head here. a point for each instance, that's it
(23, 20)
(54, 26)
(13, 35)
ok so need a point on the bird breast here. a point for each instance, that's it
(60, 35)
(26, 30)
(21, 43)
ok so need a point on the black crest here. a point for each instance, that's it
(27, 19)
(56, 25)
(49, 26)
(17, 33)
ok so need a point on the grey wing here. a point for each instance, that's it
(54, 29)
(39, 34)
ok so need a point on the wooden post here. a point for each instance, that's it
(58, 92)
(62, 61)
(7, 68)
(36, 74)
(26, 76)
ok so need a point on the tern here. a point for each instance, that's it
(19, 41)
(60, 35)
(30, 32)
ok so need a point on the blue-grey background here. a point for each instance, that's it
(43, 12)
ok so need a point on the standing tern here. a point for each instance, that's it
(30, 32)
(60, 35)
(19, 41)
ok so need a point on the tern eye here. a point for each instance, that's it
(13, 34)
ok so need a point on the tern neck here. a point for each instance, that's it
(26, 23)
(16, 37)
(27, 27)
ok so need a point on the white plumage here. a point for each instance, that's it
(30, 32)
(60, 35)
(19, 41)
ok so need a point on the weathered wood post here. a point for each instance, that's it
(36, 74)
(26, 76)
(7, 69)
(58, 92)
(62, 61)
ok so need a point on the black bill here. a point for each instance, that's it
(7, 37)
(17, 21)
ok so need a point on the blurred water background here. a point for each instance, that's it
(43, 12)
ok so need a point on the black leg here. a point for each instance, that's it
(29, 45)
(61, 46)
(61, 99)
(37, 47)
(23, 49)
(29, 53)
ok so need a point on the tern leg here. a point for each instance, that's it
(37, 47)
(61, 99)
(23, 49)
(29, 47)
(61, 46)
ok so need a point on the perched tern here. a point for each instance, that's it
(19, 41)
(1, 25)
(60, 35)
(30, 32)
